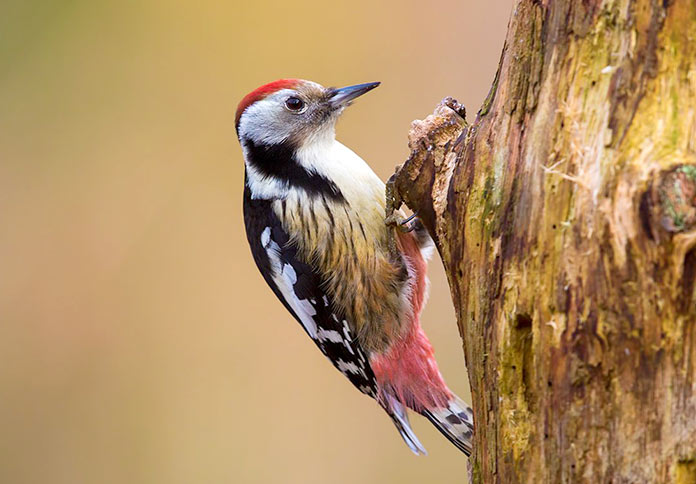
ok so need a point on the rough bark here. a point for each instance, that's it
(565, 216)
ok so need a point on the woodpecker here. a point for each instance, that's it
(315, 221)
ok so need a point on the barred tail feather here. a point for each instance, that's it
(397, 412)
(456, 422)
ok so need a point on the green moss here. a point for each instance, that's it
(476, 472)
(488, 212)
(669, 210)
(677, 205)
(515, 378)
(491, 95)
(674, 134)
(689, 171)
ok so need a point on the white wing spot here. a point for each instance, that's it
(361, 356)
(303, 308)
(347, 338)
(350, 367)
(266, 237)
(329, 335)
(365, 389)
(285, 278)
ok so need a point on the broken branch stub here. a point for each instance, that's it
(423, 180)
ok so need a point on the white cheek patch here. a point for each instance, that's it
(285, 278)
(263, 122)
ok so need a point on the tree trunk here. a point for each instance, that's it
(565, 216)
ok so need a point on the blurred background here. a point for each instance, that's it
(138, 342)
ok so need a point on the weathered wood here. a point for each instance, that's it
(565, 216)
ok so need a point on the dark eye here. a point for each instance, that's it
(294, 103)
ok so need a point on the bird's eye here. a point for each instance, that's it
(294, 103)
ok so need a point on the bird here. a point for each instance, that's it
(314, 213)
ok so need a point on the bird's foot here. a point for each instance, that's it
(404, 224)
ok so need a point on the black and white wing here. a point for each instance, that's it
(299, 288)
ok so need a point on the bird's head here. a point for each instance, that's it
(293, 110)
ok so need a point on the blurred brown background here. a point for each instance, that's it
(138, 343)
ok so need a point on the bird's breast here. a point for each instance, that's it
(347, 244)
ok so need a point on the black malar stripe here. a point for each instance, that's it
(278, 161)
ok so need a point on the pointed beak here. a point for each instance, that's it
(343, 96)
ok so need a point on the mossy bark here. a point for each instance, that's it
(565, 216)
